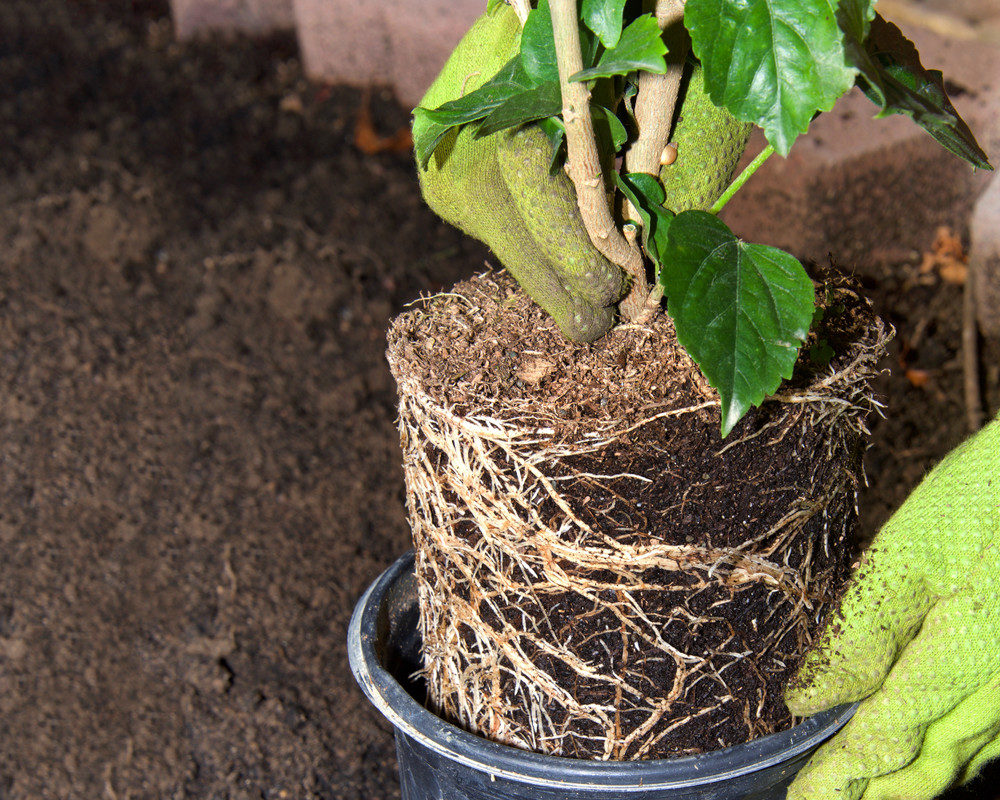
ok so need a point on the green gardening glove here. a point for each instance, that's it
(498, 188)
(917, 640)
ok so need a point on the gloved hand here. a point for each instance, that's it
(498, 188)
(917, 640)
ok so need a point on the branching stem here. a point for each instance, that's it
(583, 163)
(655, 103)
(657, 95)
(521, 8)
(740, 179)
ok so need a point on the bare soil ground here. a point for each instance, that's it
(198, 462)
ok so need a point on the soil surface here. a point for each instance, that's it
(200, 470)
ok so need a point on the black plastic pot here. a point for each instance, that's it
(438, 761)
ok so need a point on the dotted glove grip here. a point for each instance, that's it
(917, 640)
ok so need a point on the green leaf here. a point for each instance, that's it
(821, 353)
(511, 80)
(538, 45)
(427, 136)
(854, 18)
(646, 194)
(741, 310)
(631, 89)
(640, 47)
(555, 129)
(644, 188)
(604, 17)
(534, 104)
(493, 5)
(590, 44)
(893, 78)
(771, 62)
(608, 127)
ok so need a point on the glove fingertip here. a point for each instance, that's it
(808, 700)
(828, 776)
(824, 681)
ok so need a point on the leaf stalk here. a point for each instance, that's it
(740, 179)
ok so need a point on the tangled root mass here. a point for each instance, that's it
(601, 575)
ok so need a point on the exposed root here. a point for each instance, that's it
(549, 631)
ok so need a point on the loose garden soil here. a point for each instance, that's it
(198, 461)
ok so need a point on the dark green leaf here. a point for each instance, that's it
(821, 353)
(589, 46)
(630, 90)
(510, 80)
(538, 46)
(772, 62)
(604, 17)
(427, 135)
(741, 310)
(646, 194)
(854, 18)
(893, 78)
(643, 187)
(534, 104)
(608, 127)
(435, 123)
(554, 128)
(640, 47)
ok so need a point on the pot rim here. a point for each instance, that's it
(416, 722)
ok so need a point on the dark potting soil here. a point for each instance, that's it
(198, 462)
(484, 350)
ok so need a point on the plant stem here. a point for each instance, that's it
(970, 351)
(521, 8)
(740, 179)
(583, 164)
(654, 112)
(657, 95)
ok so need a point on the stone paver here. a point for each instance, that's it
(397, 43)
(192, 17)
(984, 257)
(961, 19)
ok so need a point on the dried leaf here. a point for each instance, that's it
(535, 370)
(947, 258)
(918, 377)
(954, 272)
(370, 142)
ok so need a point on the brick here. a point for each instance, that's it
(397, 43)
(984, 257)
(972, 10)
(989, 29)
(192, 17)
